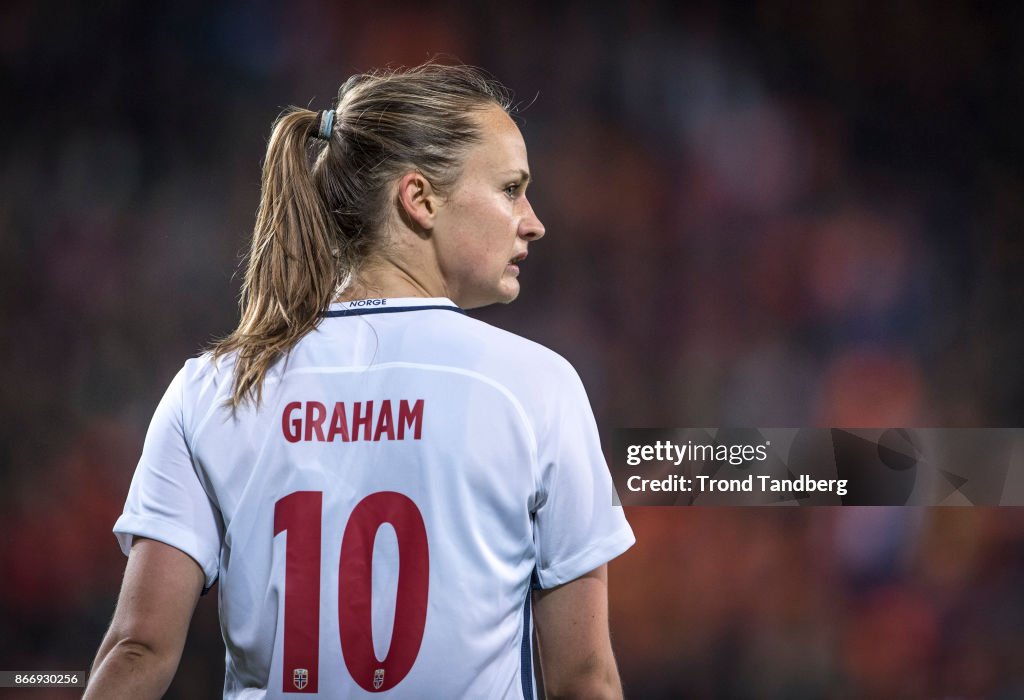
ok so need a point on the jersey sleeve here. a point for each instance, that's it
(576, 526)
(167, 501)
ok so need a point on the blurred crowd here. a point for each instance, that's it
(780, 215)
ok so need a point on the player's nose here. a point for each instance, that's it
(530, 226)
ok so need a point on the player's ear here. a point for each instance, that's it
(418, 201)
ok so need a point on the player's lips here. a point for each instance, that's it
(513, 264)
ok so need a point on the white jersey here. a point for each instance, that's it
(376, 524)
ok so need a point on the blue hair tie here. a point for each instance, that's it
(326, 124)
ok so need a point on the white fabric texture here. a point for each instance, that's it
(507, 477)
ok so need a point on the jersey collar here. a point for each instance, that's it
(360, 307)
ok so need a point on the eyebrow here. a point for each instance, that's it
(523, 175)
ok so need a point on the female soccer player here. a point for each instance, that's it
(389, 493)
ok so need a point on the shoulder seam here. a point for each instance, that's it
(191, 440)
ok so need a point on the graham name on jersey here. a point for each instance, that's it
(365, 420)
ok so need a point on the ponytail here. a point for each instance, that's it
(292, 274)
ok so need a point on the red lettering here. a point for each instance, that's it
(384, 422)
(339, 423)
(310, 424)
(411, 418)
(316, 413)
(362, 421)
(299, 515)
(355, 590)
(291, 427)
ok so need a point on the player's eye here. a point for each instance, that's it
(512, 190)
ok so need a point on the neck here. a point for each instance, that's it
(386, 277)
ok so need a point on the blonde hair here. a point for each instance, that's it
(317, 223)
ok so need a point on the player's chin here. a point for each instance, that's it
(506, 292)
(509, 290)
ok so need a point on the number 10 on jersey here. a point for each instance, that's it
(301, 515)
